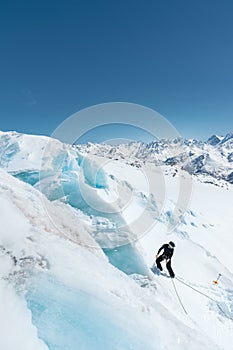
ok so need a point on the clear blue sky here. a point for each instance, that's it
(175, 56)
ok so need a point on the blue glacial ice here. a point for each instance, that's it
(77, 181)
(69, 319)
(127, 259)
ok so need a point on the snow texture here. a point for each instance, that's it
(69, 282)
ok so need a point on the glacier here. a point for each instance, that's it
(73, 273)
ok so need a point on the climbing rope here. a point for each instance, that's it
(178, 296)
(205, 295)
(196, 290)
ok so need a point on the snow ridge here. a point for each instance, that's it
(212, 158)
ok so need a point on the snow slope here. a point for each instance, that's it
(76, 297)
(62, 257)
(204, 249)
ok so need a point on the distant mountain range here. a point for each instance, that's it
(213, 157)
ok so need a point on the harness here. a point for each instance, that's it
(164, 256)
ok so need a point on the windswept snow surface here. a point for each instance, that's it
(59, 288)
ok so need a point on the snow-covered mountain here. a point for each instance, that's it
(80, 227)
(213, 157)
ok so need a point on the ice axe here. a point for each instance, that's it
(217, 279)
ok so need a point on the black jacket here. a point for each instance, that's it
(168, 250)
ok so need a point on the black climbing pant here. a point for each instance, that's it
(168, 265)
